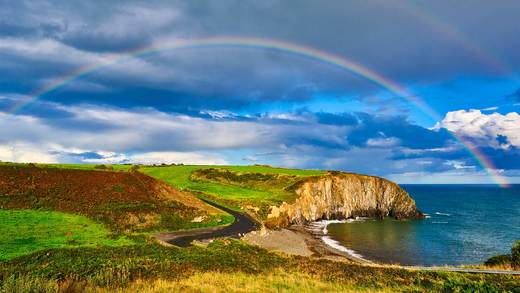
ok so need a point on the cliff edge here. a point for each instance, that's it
(339, 195)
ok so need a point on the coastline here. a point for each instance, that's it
(304, 241)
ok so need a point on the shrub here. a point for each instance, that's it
(134, 168)
(515, 255)
(497, 260)
(455, 285)
(103, 167)
(23, 283)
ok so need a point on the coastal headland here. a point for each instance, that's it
(101, 227)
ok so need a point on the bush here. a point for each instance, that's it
(468, 286)
(103, 167)
(134, 168)
(23, 283)
(515, 255)
(497, 260)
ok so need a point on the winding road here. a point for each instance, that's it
(242, 224)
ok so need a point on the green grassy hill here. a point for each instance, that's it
(52, 207)
(250, 188)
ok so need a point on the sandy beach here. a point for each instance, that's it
(297, 240)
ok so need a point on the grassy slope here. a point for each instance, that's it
(179, 176)
(39, 205)
(25, 231)
(125, 201)
(232, 263)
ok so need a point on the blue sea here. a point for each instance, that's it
(466, 224)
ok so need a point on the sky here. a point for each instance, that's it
(414, 91)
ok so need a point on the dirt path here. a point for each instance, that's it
(242, 224)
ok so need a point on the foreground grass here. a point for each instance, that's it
(223, 265)
(26, 231)
(278, 281)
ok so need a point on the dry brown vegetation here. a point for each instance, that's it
(123, 200)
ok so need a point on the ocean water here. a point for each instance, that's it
(466, 224)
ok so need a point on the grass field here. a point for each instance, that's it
(26, 231)
(181, 177)
(124, 201)
(73, 166)
(59, 207)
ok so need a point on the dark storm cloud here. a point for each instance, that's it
(99, 42)
(395, 38)
(337, 119)
(409, 135)
(172, 100)
(503, 159)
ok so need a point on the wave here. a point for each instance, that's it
(321, 226)
(336, 245)
(442, 214)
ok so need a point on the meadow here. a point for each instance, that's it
(253, 189)
(25, 231)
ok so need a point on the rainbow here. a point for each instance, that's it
(274, 45)
(449, 31)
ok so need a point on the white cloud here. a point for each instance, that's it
(383, 142)
(459, 176)
(150, 136)
(484, 128)
(19, 152)
(192, 158)
(458, 164)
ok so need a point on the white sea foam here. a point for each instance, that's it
(322, 225)
(336, 245)
(442, 214)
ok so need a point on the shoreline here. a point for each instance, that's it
(319, 230)
(303, 241)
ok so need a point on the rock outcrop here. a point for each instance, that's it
(341, 196)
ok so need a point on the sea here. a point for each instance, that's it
(464, 224)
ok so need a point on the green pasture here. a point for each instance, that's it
(26, 231)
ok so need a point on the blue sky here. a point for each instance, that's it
(222, 105)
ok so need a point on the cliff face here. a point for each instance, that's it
(341, 196)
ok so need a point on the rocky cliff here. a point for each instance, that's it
(342, 195)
